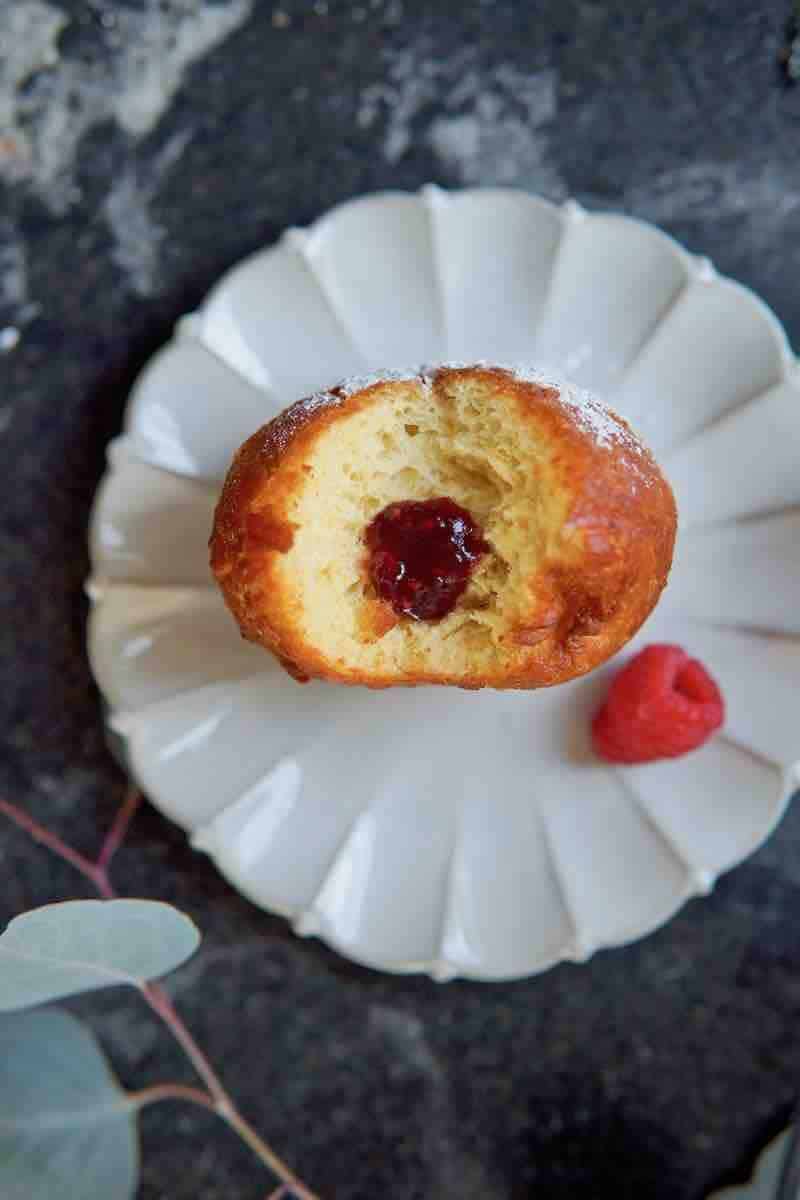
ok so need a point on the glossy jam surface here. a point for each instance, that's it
(421, 555)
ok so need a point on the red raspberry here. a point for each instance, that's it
(662, 704)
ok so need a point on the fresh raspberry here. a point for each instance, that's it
(662, 704)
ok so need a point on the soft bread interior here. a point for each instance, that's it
(462, 438)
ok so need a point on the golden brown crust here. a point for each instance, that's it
(591, 595)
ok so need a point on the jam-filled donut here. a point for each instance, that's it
(475, 526)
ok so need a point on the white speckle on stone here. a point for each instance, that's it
(13, 272)
(408, 88)
(28, 35)
(9, 339)
(492, 124)
(456, 140)
(49, 102)
(793, 64)
(405, 1032)
(396, 143)
(137, 237)
(453, 1167)
(159, 44)
(214, 959)
(130, 1031)
(500, 137)
(762, 195)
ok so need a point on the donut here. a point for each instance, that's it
(473, 526)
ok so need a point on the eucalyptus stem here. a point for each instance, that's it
(221, 1101)
(170, 1091)
(215, 1097)
(158, 1000)
(119, 827)
(267, 1156)
(51, 840)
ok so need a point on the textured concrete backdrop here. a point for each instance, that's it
(144, 147)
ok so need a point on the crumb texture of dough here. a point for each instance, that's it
(579, 519)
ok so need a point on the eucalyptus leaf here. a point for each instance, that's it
(67, 1130)
(82, 945)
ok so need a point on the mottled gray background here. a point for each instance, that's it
(145, 147)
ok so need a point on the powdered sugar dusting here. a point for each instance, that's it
(594, 417)
(359, 383)
(318, 400)
(607, 430)
(591, 413)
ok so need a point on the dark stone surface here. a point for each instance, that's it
(655, 1070)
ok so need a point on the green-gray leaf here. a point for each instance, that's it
(67, 1130)
(81, 945)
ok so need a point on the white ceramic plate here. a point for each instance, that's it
(430, 829)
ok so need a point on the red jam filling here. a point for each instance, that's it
(421, 555)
